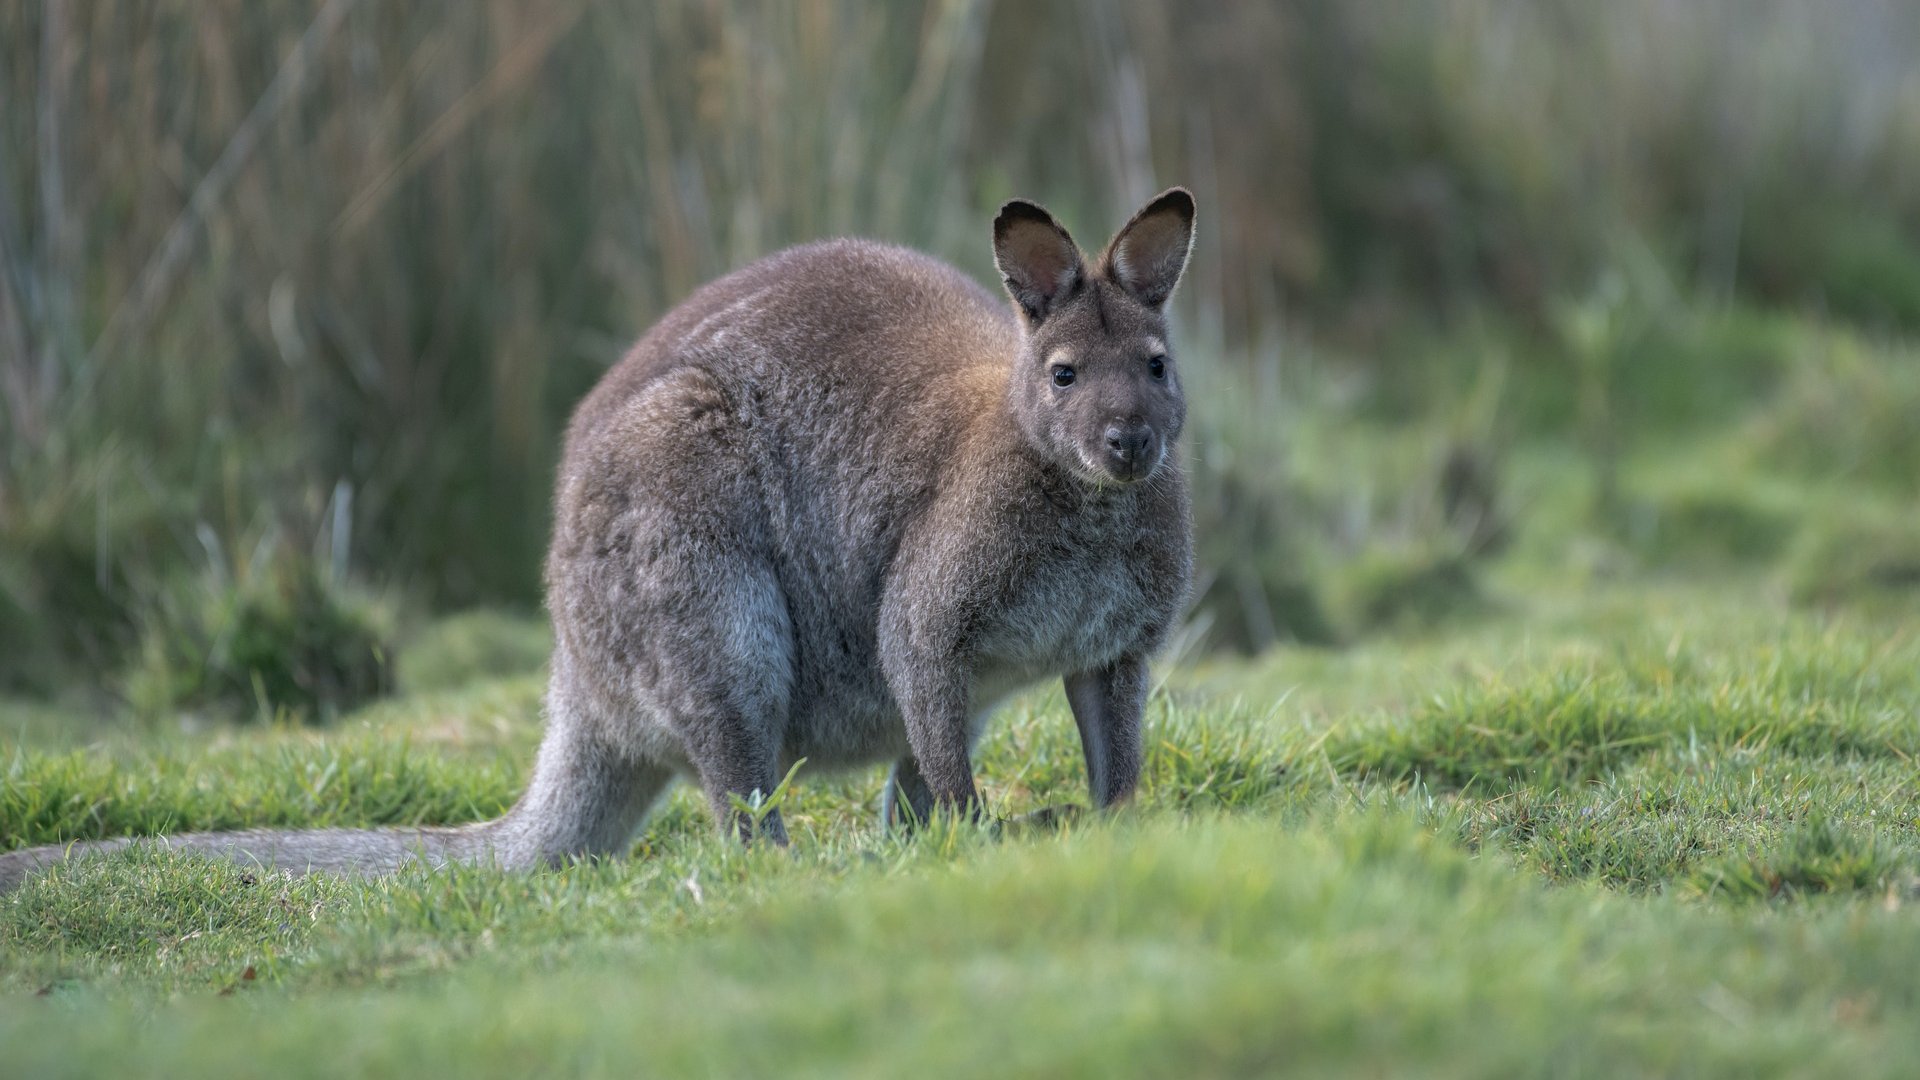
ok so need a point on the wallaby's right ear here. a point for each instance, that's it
(1037, 259)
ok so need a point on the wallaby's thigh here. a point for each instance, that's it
(698, 673)
(662, 584)
(721, 667)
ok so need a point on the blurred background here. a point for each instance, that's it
(1492, 300)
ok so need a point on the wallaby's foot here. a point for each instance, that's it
(1050, 817)
(740, 824)
(909, 801)
(1047, 819)
(737, 781)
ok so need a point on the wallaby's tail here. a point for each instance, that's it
(369, 851)
(585, 798)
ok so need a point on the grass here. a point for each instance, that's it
(1642, 828)
(1214, 947)
(1636, 792)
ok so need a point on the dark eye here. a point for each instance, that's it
(1062, 375)
(1157, 367)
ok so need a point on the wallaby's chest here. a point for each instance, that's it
(1086, 594)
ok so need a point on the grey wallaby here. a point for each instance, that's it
(834, 506)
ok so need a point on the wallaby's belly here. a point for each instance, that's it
(847, 733)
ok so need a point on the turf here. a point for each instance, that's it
(1655, 827)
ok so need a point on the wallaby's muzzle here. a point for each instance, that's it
(1132, 452)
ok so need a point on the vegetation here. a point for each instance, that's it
(283, 637)
(336, 272)
(1548, 702)
(1648, 827)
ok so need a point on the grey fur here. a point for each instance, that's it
(834, 506)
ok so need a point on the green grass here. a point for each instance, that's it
(1212, 946)
(1638, 793)
(1641, 828)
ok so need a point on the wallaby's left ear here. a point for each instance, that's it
(1149, 252)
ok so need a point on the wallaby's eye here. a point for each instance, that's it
(1062, 375)
(1157, 367)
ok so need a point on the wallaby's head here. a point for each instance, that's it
(1095, 387)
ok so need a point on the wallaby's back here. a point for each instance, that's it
(846, 305)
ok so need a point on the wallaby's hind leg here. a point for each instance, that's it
(724, 674)
(660, 580)
(735, 759)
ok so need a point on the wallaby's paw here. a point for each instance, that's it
(1046, 819)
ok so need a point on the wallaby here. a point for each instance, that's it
(834, 506)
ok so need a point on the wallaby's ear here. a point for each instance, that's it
(1149, 252)
(1037, 259)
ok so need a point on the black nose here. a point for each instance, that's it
(1129, 445)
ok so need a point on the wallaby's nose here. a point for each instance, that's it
(1129, 446)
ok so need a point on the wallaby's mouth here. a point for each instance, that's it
(1136, 463)
(1135, 471)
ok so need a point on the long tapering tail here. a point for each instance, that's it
(586, 797)
(366, 851)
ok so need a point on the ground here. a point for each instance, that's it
(1660, 826)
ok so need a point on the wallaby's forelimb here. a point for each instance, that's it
(1107, 706)
(927, 668)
